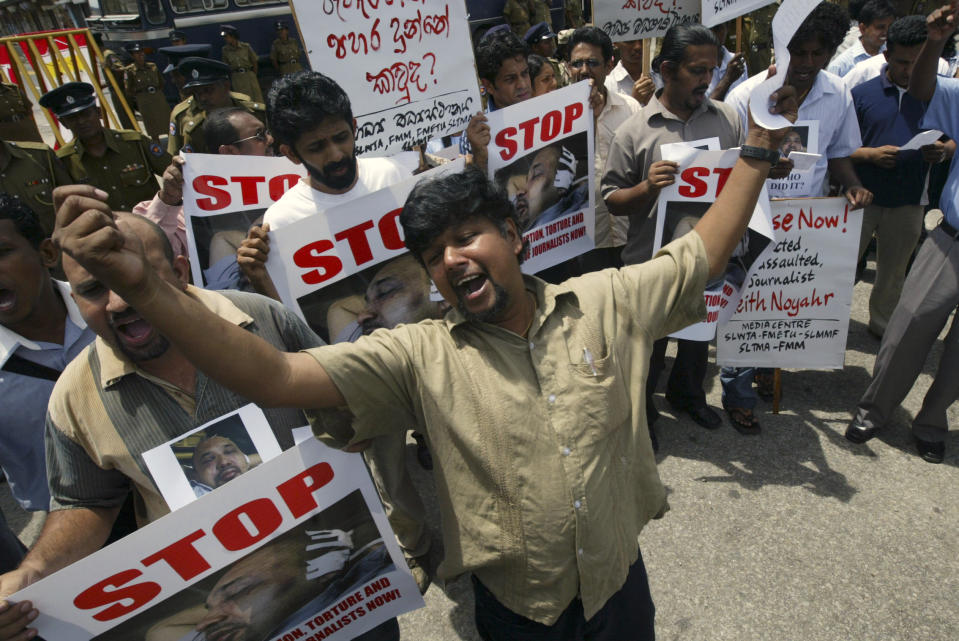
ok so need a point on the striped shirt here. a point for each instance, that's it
(105, 411)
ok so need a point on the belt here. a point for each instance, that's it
(293, 60)
(12, 118)
(151, 89)
(240, 70)
(949, 229)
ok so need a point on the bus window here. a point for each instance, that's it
(245, 3)
(121, 7)
(193, 6)
(154, 11)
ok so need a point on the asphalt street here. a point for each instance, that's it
(792, 534)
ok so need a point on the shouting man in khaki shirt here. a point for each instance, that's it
(530, 394)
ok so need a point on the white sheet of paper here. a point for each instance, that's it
(789, 16)
(802, 160)
(922, 139)
(680, 152)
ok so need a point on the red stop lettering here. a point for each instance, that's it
(321, 266)
(390, 229)
(298, 491)
(552, 122)
(113, 590)
(279, 185)
(570, 113)
(248, 188)
(504, 140)
(723, 175)
(695, 186)
(205, 185)
(185, 559)
(233, 533)
(359, 244)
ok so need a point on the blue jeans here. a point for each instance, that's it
(737, 385)
(627, 616)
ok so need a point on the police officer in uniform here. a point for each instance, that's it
(542, 41)
(242, 60)
(208, 83)
(516, 15)
(30, 170)
(177, 38)
(122, 163)
(174, 55)
(16, 115)
(758, 37)
(539, 12)
(285, 53)
(144, 85)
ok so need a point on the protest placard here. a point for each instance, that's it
(793, 310)
(406, 66)
(802, 138)
(205, 458)
(223, 196)
(637, 19)
(541, 153)
(330, 267)
(719, 11)
(304, 534)
(700, 178)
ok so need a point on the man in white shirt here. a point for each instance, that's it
(874, 20)
(627, 76)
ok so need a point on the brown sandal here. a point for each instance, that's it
(743, 420)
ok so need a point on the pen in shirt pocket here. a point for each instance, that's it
(588, 359)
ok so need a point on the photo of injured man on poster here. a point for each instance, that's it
(216, 239)
(307, 574)
(208, 457)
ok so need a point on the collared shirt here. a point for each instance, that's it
(105, 412)
(872, 67)
(610, 230)
(24, 401)
(127, 170)
(636, 147)
(889, 115)
(943, 115)
(31, 172)
(619, 80)
(845, 61)
(545, 472)
(828, 102)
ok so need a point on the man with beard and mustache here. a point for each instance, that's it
(681, 111)
(127, 392)
(218, 460)
(312, 121)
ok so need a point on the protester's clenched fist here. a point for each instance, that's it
(253, 251)
(942, 22)
(643, 89)
(781, 169)
(662, 173)
(171, 191)
(477, 131)
(88, 232)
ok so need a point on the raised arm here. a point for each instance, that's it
(941, 24)
(89, 232)
(725, 222)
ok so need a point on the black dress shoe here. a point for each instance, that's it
(931, 451)
(859, 433)
(704, 416)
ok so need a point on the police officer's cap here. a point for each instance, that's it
(280, 25)
(500, 28)
(202, 71)
(69, 99)
(175, 34)
(539, 31)
(228, 29)
(133, 47)
(176, 53)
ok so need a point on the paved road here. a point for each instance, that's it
(792, 534)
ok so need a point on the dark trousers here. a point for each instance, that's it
(627, 616)
(12, 550)
(685, 385)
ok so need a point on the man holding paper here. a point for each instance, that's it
(931, 291)
(889, 118)
(531, 394)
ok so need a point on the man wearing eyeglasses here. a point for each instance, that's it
(591, 58)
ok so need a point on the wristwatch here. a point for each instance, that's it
(760, 153)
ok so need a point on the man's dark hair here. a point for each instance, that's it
(493, 51)
(677, 39)
(217, 128)
(297, 103)
(909, 31)
(436, 205)
(827, 23)
(592, 36)
(855, 6)
(24, 219)
(876, 10)
(535, 64)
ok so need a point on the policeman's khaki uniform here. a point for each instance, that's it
(30, 172)
(145, 85)
(242, 61)
(127, 171)
(16, 115)
(285, 55)
(187, 117)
